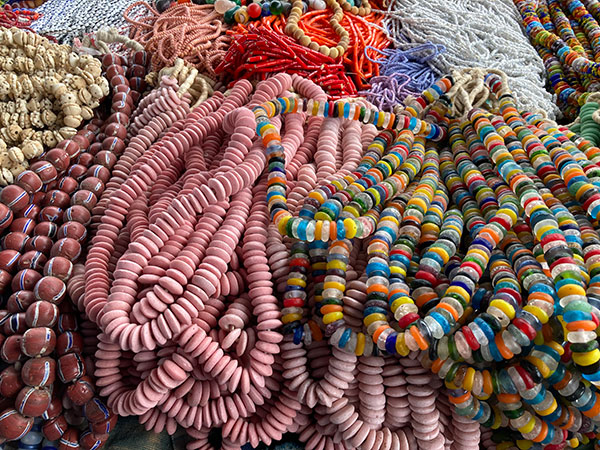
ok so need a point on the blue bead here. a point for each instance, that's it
(345, 337)
(487, 330)
(495, 352)
(341, 230)
(298, 333)
(390, 343)
(441, 320)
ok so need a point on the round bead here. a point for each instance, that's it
(69, 342)
(50, 289)
(11, 349)
(39, 341)
(10, 382)
(70, 367)
(81, 391)
(15, 197)
(39, 372)
(32, 401)
(41, 314)
(14, 426)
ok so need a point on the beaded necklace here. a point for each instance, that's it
(506, 329)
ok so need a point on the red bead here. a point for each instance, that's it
(89, 441)
(70, 367)
(20, 301)
(59, 159)
(9, 260)
(50, 213)
(50, 289)
(54, 428)
(15, 197)
(41, 314)
(54, 409)
(71, 147)
(40, 243)
(58, 198)
(45, 170)
(81, 391)
(77, 171)
(69, 342)
(94, 185)
(254, 10)
(26, 279)
(67, 185)
(96, 411)
(13, 426)
(39, 341)
(67, 248)
(74, 230)
(39, 372)
(30, 181)
(31, 212)
(32, 401)
(23, 225)
(113, 70)
(84, 198)
(45, 229)
(59, 267)
(32, 260)
(11, 349)
(69, 440)
(100, 172)
(6, 216)
(10, 382)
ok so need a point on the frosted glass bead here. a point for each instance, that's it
(307, 337)
(333, 293)
(382, 338)
(435, 328)
(410, 342)
(580, 337)
(325, 231)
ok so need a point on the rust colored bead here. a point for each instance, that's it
(55, 428)
(32, 401)
(59, 267)
(23, 225)
(50, 289)
(56, 197)
(94, 185)
(25, 279)
(15, 197)
(14, 426)
(70, 367)
(45, 229)
(96, 411)
(40, 243)
(5, 280)
(67, 248)
(30, 181)
(10, 382)
(14, 241)
(6, 216)
(39, 372)
(54, 409)
(77, 171)
(31, 212)
(100, 172)
(68, 185)
(71, 147)
(67, 321)
(110, 59)
(45, 170)
(69, 342)
(95, 148)
(113, 70)
(89, 441)
(32, 260)
(9, 260)
(81, 391)
(39, 341)
(83, 140)
(59, 158)
(11, 349)
(74, 230)
(20, 301)
(50, 213)
(41, 314)
(106, 158)
(69, 440)
(16, 324)
(105, 426)
(79, 214)
(84, 198)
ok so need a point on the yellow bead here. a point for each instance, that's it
(374, 318)
(528, 426)
(469, 379)
(537, 312)
(317, 196)
(401, 346)
(296, 282)
(586, 359)
(283, 224)
(360, 344)
(351, 228)
(505, 307)
(336, 264)
(320, 215)
(289, 318)
(332, 317)
(401, 301)
(523, 444)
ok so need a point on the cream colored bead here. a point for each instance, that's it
(16, 155)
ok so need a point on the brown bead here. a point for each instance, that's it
(114, 144)
(31, 212)
(30, 181)
(77, 171)
(25, 279)
(69, 440)
(71, 147)
(56, 197)
(15, 325)
(39, 372)
(105, 426)
(84, 198)
(73, 230)
(40, 243)
(5, 280)
(50, 213)
(45, 170)
(94, 185)
(85, 159)
(96, 411)
(89, 441)
(69, 342)
(67, 248)
(110, 59)
(54, 409)
(46, 229)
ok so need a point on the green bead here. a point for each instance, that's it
(230, 15)
(276, 7)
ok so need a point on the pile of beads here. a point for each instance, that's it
(566, 37)
(45, 93)
(191, 32)
(533, 163)
(45, 343)
(258, 52)
(588, 125)
(66, 20)
(17, 18)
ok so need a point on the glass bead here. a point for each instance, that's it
(580, 337)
